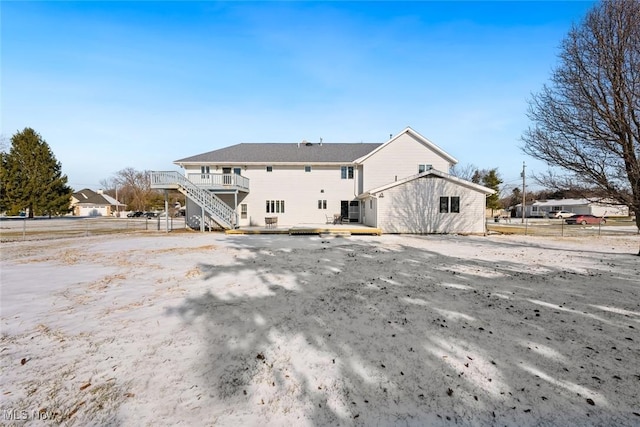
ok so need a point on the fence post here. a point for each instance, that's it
(24, 229)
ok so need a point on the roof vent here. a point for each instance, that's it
(321, 142)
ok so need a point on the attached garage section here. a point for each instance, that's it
(431, 202)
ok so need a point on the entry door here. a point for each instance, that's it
(354, 211)
(226, 177)
(344, 208)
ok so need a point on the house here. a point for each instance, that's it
(542, 208)
(399, 186)
(87, 202)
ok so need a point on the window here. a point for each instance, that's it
(444, 205)
(237, 171)
(243, 211)
(424, 168)
(269, 168)
(450, 204)
(322, 204)
(204, 170)
(346, 172)
(307, 168)
(370, 203)
(455, 204)
(275, 206)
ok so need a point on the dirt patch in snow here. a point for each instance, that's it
(273, 330)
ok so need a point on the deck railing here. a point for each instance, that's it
(224, 215)
(220, 181)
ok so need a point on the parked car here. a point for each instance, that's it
(136, 214)
(151, 214)
(585, 219)
(561, 214)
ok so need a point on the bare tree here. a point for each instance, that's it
(134, 188)
(586, 122)
(466, 172)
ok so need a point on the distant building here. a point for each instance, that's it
(542, 208)
(91, 203)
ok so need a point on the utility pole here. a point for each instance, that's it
(524, 198)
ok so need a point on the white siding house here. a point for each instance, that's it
(311, 182)
(429, 202)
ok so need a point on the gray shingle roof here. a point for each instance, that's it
(284, 153)
(89, 196)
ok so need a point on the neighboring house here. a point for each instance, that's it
(400, 186)
(542, 208)
(91, 203)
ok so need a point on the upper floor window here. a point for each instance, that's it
(204, 170)
(307, 168)
(346, 172)
(269, 168)
(424, 168)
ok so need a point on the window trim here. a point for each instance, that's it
(274, 206)
(347, 172)
(449, 204)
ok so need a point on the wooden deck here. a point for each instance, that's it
(352, 229)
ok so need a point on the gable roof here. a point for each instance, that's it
(433, 172)
(420, 138)
(304, 152)
(89, 196)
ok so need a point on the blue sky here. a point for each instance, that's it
(111, 85)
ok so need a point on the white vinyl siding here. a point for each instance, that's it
(300, 191)
(414, 207)
(398, 160)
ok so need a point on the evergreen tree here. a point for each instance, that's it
(492, 181)
(32, 178)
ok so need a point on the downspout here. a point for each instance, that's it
(355, 190)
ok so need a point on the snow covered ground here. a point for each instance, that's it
(208, 329)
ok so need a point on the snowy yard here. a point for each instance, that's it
(208, 329)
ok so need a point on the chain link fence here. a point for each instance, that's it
(23, 229)
(559, 228)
